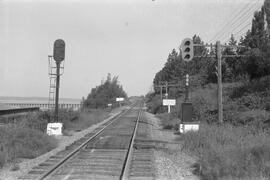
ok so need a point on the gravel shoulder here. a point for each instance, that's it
(26, 165)
(170, 162)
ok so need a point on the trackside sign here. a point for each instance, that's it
(169, 102)
(119, 99)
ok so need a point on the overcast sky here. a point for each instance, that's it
(127, 38)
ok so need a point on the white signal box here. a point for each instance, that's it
(186, 127)
(54, 129)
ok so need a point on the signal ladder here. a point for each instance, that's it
(52, 76)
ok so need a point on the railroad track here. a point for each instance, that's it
(106, 153)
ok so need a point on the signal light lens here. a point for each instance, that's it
(187, 56)
(187, 49)
(187, 43)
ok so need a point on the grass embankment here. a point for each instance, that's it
(227, 152)
(23, 142)
(85, 119)
(26, 136)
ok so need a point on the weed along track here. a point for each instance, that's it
(106, 153)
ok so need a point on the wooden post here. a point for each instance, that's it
(161, 93)
(166, 89)
(220, 105)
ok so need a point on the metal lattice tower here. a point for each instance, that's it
(52, 77)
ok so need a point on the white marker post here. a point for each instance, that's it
(169, 103)
(55, 128)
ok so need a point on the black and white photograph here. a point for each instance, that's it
(134, 89)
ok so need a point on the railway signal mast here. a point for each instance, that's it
(58, 56)
(187, 124)
(187, 52)
(54, 72)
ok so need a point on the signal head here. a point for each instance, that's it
(187, 43)
(187, 49)
(59, 50)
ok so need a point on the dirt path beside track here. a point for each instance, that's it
(170, 162)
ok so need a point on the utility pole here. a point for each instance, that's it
(166, 90)
(161, 93)
(220, 105)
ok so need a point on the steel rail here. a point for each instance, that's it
(125, 170)
(75, 151)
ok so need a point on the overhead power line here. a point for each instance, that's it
(238, 20)
(242, 20)
(228, 22)
(239, 33)
(235, 29)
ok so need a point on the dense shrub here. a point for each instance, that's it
(205, 103)
(34, 120)
(104, 94)
(254, 86)
(154, 104)
(169, 121)
(254, 118)
(39, 120)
